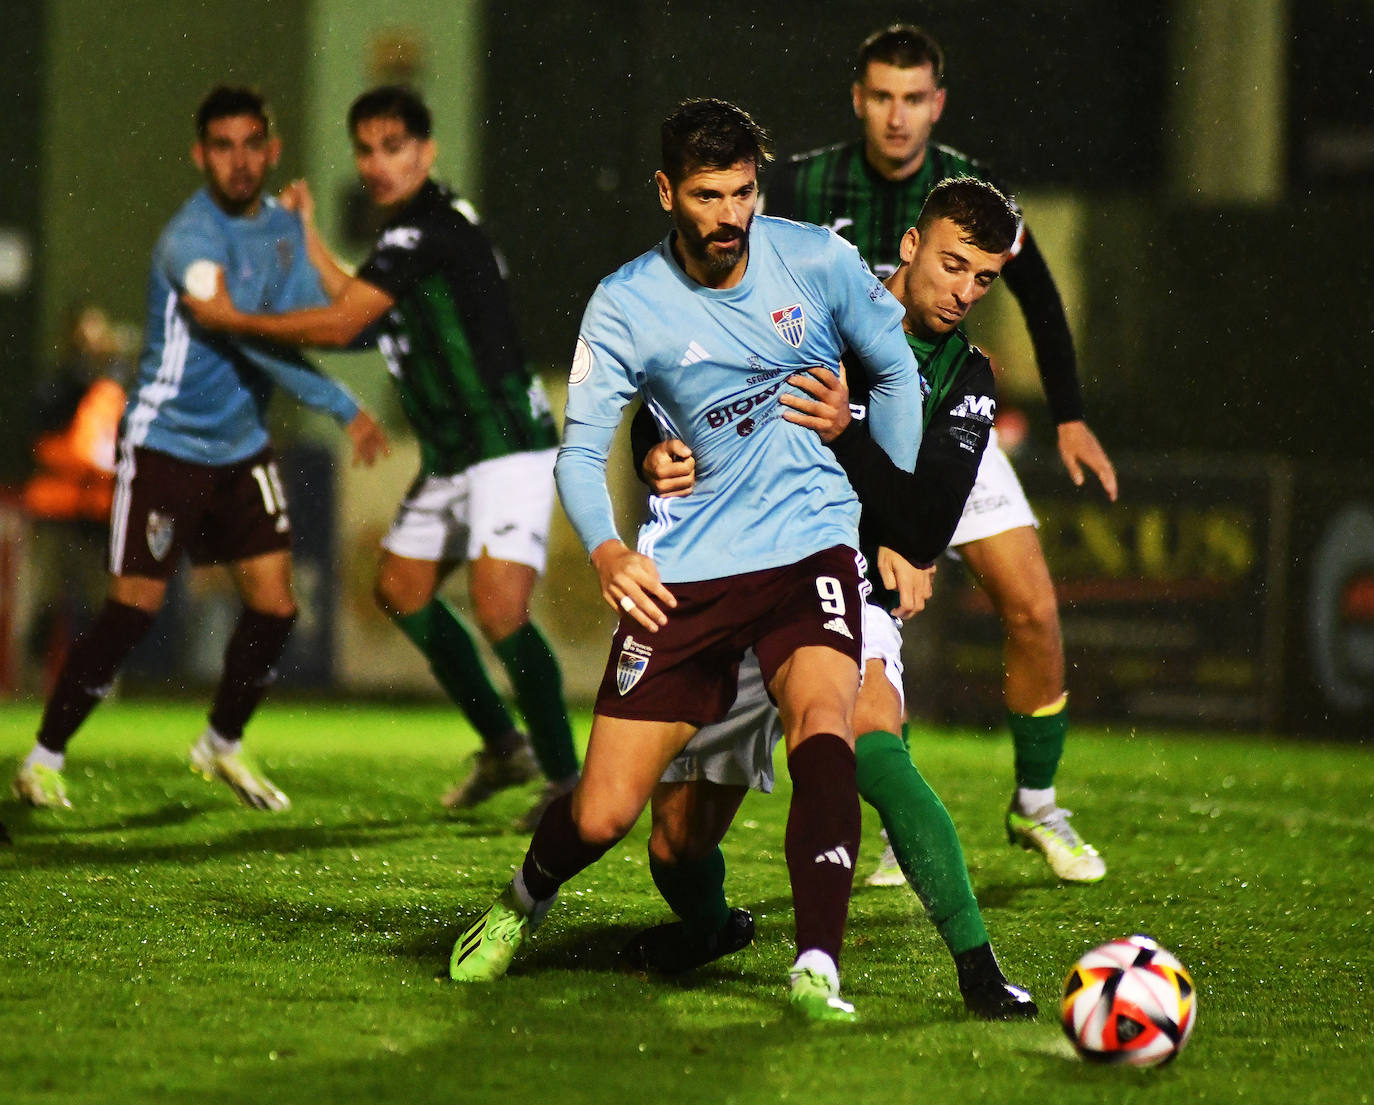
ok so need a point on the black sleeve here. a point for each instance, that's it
(1028, 277)
(779, 188)
(915, 513)
(643, 437)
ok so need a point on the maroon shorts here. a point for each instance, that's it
(687, 670)
(164, 506)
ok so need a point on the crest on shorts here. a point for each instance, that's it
(634, 659)
(159, 533)
(790, 323)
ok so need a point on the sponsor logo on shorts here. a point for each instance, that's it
(159, 533)
(838, 855)
(634, 659)
(980, 408)
(790, 323)
(836, 625)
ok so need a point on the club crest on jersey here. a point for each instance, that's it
(790, 323)
(634, 659)
(159, 533)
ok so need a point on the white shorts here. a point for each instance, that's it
(499, 507)
(738, 749)
(996, 503)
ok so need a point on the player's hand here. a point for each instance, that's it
(297, 197)
(216, 313)
(911, 584)
(670, 470)
(368, 438)
(630, 584)
(1078, 446)
(827, 411)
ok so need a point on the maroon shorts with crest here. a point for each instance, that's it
(687, 670)
(164, 506)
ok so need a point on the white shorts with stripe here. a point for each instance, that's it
(738, 750)
(996, 504)
(499, 507)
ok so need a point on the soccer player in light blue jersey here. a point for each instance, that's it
(195, 469)
(707, 327)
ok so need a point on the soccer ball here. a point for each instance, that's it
(1129, 1002)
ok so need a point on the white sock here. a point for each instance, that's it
(533, 909)
(820, 962)
(223, 746)
(1030, 801)
(47, 757)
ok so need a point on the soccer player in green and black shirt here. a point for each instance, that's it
(433, 294)
(869, 191)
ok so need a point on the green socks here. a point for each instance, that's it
(695, 890)
(923, 838)
(454, 660)
(538, 686)
(1038, 743)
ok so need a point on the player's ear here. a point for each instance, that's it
(198, 155)
(906, 249)
(428, 152)
(937, 106)
(665, 190)
(856, 91)
(273, 151)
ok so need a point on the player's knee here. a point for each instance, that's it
(497, 621)
(603, 828)
(395, 599)
(1034, 618)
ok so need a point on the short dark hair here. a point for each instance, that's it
(904, 45)
(988, 219)
(392, 101)
(225, 101)
(711, 134)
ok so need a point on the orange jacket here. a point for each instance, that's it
(75, 477)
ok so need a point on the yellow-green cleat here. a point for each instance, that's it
(41, 786)
(815, 997)
(238, 773)
(1048, 831)
(485, 950)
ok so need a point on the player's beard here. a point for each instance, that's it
(716, 262)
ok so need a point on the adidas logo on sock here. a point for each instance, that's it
(836, 625)
(838, 855)
(694, 353)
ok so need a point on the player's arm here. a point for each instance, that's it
(297, 197)
(1028, 277)
(600, 386)
(358, 305)
(665, 464)
(915, 513)
(299, 379)
(870, 321)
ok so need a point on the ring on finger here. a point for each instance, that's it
(626, 603)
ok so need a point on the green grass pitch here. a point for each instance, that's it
(160, 943)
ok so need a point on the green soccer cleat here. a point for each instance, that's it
(484, 952)
(492, 772)
(41, 786)
(1048, 831)
(235, 770)
(815, 998)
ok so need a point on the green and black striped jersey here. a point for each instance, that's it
(838, 188)
(450, 339)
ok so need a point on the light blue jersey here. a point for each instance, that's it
(202, 396)
(711, 365)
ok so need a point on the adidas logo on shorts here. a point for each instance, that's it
(836, 625)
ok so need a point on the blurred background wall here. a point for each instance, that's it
(1199, 174)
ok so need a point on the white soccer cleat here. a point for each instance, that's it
(238, 774)
(1048, 831)
(888, 872)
